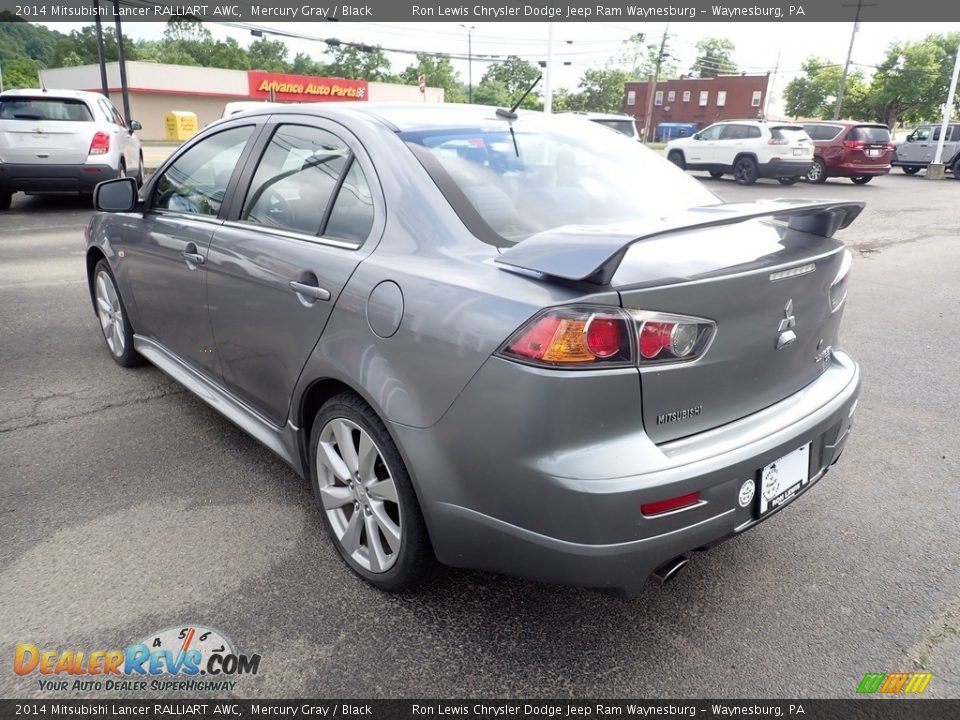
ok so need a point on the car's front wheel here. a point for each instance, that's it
(817, 172)
(745, 171)
(368, 502)
(5, 200)
(716, 174)
(788, 180)
(140, 172)
(676, 157)
(956, 169)
(861, 179)
(113, 317)
(911, 169)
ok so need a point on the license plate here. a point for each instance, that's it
(781, 480)
(798, 151)
(873, 153)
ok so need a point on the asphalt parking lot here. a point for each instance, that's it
(127, 505)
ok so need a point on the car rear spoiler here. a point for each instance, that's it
(593, 253)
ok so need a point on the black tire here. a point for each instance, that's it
(817, 172)
(5, 200)
(676, 157)
(956, 169)
(911, 169)
(861, 179)
(140, 173)
(128, 357)
(122, 170)
(788, 180)
(716, 174)
(414, 557)
(745, 170)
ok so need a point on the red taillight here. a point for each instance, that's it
(573, 337)
(679, 340)
(778, 141)
(854, 144)
(654, 338)
(663, 506)
(100, 145)
(890, 146)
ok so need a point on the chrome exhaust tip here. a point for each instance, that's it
(670, 569)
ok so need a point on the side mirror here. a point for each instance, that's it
(910, 138)
(135, 125)
(118, 195)
(696, 136)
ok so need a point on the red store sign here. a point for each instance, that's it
(304, 88)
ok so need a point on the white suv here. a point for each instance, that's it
(63, 141)
(748, 149)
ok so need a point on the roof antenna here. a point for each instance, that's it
(511, 114)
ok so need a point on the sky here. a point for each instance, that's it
(760, 47)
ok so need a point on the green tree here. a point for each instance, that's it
(714, 57)
(267, 54)
(20, 73)
(601, 90)
(368, 63)
(440, 73)
(814, 94)
(303, 64)
(505, 82)
(639, 58)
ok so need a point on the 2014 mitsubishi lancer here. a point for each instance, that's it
(505, 340)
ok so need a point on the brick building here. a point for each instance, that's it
(698, 100)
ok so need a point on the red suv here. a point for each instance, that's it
(849, 149)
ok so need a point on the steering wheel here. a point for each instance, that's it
(272, 208)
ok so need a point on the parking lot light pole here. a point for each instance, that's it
(101, 60)
(122, 61)
(469, 29)
(936, 170)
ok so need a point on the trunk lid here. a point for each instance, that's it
(724, 275)
(868, 145)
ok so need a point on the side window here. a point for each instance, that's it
(921, 134)
(106, 112)
(197, 181)
(936, 133)
(117, 117)
(712, 133)
(296, 179)
(753, 131)
(735, 132)
(352, 215)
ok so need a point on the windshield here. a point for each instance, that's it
(44, 108)
(549, 173)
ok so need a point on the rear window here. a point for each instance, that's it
(823, 132)
(622, 126)
(870, 134)
(550, 172)
(789, 132)
(44, 108)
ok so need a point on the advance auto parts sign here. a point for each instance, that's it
(304, 88)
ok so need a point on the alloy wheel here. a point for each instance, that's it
(359, 495)
(110, 313)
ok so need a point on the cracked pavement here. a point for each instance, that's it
(127, 505)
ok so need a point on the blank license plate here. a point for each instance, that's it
(781, 480)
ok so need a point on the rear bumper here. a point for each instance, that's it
(857, 170)
(785, 168)
(572, 515)
(25, 177)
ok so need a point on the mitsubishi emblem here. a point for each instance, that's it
(787, 336)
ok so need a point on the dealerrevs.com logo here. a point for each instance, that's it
(184, 658)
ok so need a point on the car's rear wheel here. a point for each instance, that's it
(911, 169)
(140, 172)
(112, 315)
(861, 179)
(368, 502)
(5, 200)
(788, 180)
(956, 169)
(817, 172)
(716, 174)
(676, 157)
(745, 171)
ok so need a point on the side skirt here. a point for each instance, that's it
(281, 440)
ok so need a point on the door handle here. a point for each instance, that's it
(195, 258)
(317, 293)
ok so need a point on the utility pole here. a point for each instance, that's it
(649, 135)
(935, 171)
(770, 85)
(123, 64)
(846, 67)
(469, 29)
(548, 72)
(101, 61)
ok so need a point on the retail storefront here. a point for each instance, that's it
(156, 89)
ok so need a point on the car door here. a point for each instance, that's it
(732, 140)
(166, 248)
(916, 147)
(702, 148)
(291, 242)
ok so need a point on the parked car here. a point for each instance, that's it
(621, 123)
(510, 341)
(63, 141)
(919, 149)
(859, 151)
(749, 149)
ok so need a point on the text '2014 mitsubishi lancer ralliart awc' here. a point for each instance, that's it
(507, 341)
